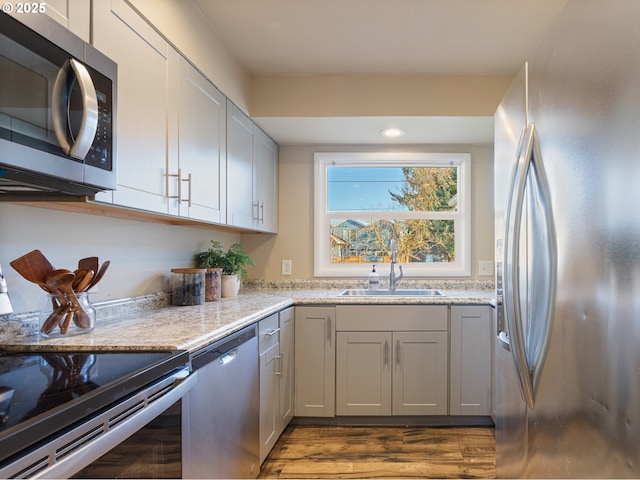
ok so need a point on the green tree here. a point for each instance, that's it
(429, 189)
(425, 189)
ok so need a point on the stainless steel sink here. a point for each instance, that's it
(361, 292)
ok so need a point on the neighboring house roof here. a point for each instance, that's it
(336, 240)
(349, 224)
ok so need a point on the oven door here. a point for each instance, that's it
(139, 437)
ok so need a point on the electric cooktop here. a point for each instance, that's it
(42, 393)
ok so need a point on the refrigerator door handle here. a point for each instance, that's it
(503, 338)
(529, 347)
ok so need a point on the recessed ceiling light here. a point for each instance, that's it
(392, 132)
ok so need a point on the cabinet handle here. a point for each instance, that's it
(188, 200)
(386, 353)
(179, 177)
(329, 329)
(259, 212)
(271, 333)
(398, 353)
(279, 371)
(180, 180)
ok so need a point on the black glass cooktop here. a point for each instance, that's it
(41, 393)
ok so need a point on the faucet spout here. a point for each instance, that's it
(393, 278)
(393, 254)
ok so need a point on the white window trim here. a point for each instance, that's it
(322, 161)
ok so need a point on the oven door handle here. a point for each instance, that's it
(78, 448)
(71, 72)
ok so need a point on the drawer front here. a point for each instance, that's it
(268, 333)
(396, 318)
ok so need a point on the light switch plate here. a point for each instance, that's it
(486, 267)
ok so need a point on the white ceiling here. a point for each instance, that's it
(431, 37)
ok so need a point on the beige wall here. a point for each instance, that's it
(295, 238)
(376, 95)
(142, 254)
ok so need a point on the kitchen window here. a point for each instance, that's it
(363, 200)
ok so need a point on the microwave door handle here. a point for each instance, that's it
(89, 123)
(59, 107)
(78, 147)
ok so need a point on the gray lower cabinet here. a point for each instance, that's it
(275, 348)
(285, 377)
(391, 360)
(315, 361)
(470, 369)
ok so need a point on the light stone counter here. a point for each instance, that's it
(169, 328)
(192, 328)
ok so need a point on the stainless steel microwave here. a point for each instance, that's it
(57, 111)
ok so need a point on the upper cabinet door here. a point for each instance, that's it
(143, 59)
(201, 147)
(72, 14)
(266, 183)
(241, 211)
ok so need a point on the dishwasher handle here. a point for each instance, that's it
(223, 350)
(229, 357)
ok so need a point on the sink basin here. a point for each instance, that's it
(361, 292)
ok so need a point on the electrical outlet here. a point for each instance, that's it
(286, 267)
(486, 267)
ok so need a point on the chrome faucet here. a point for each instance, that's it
(393, 253)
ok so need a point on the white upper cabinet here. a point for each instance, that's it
(183, 149)
(240, 164)
(74, 15)
(265, 198)
(143, 59)
(252, 174)
(197, 174)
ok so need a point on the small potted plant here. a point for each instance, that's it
(233, 263)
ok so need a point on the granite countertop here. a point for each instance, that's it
(192, 328)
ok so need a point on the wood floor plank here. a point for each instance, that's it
(305, 451)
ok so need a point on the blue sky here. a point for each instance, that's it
(363, 188)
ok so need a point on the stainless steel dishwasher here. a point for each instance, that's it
(221, 437)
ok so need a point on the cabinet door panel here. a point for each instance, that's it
(287, 349)
(470, 360)
(363, 376)
(268, 397)
(315, 380)
(72, 14)
(240, 158)
(202, 146)
(266, 183)
(142, 117)
(420, 361)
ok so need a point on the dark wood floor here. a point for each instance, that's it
(382, 452)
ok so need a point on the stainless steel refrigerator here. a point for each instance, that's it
(567, 200)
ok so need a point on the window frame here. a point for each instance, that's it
(462, 217)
